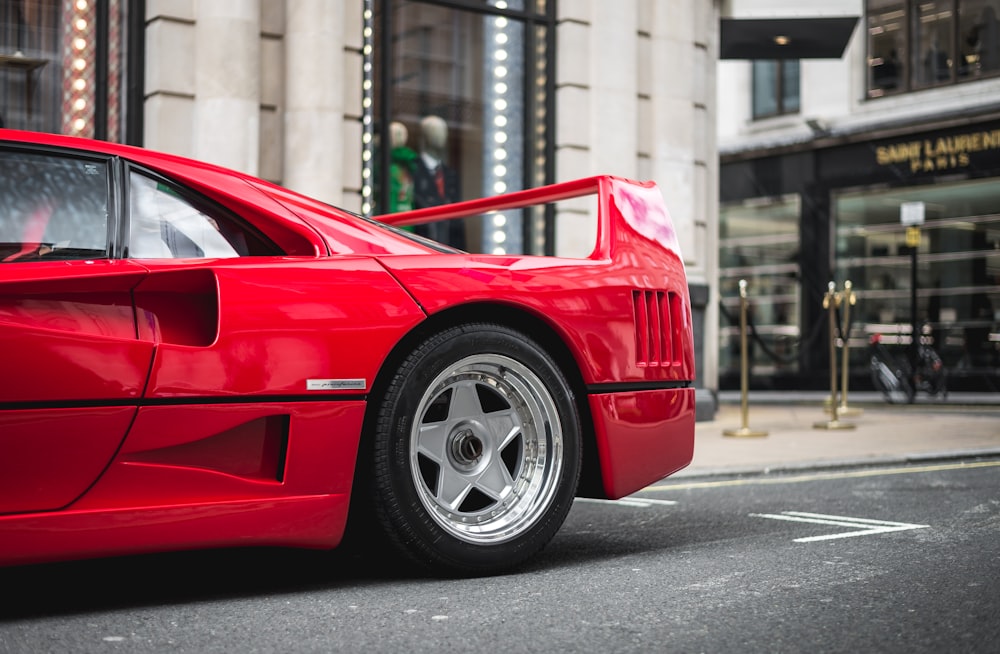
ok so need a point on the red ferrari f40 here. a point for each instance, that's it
(195, 358)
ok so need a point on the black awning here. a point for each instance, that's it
(785, 38)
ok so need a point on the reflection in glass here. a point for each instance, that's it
(61, 68)
(933, 27)
(979, 38)
(958, 266)
(775, 87)
(759, 242)
(915, 44)
(887, 47)
(52, 208)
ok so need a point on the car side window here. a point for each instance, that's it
(165, 223)
(52, 207)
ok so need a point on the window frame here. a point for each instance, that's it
(780, 71)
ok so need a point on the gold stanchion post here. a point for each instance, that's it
(849, 299)
(744, 431)
(830, 302)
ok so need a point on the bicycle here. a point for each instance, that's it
(894, 375)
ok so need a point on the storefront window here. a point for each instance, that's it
(958, 268)
(915, 44)
(759, 243)
(461, 104)
(61, 66)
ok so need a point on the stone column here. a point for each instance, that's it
(684, 161)
(314, 98)
(596, 107)
(613, 88)
(227, 83)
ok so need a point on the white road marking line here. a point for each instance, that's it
(643, 503)
(871, 526)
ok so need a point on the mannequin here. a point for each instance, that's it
(402, 161)
(435, 183)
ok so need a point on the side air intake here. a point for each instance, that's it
(657, 316)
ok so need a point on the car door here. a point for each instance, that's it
(73, 367)
(246, 339)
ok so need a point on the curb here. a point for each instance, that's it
(831, 465)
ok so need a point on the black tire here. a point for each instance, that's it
(891, 382)
(476, 451)
(936, 374)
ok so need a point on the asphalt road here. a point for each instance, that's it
(889, 560)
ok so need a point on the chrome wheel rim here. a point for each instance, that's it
(486, 449)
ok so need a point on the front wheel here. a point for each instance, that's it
(477, 451)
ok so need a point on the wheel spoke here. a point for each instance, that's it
(452, 488)
(464, 401)
(504, 426)
(495, 481)
(432, 441)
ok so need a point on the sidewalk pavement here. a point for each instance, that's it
(964, 425)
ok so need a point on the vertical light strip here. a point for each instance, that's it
(367, 120)
(114, 91)
(79, 48)
(540, 132)
(502, 128)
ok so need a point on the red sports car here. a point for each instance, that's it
(196, 358)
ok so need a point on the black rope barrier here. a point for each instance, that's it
(799, 343)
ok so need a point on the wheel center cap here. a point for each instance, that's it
(466, 448)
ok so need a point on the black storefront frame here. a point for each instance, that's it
(133, 67)
(382, 114)
(814, 172)
(133, 105)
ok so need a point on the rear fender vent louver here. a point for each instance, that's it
(658, 319)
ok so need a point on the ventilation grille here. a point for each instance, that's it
(658, 319)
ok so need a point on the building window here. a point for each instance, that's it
(775, 87)
(62, 66)
(917, 44)
(460, 109)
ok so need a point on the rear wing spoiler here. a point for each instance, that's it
(623, 206)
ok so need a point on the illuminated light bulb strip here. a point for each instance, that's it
(541, 63)
(114, 90)
(497, 230)
(367, 122)
(79, 51)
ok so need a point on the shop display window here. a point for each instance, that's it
(759, 242)
(958, 268)
(460, 110)
(62, 66)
